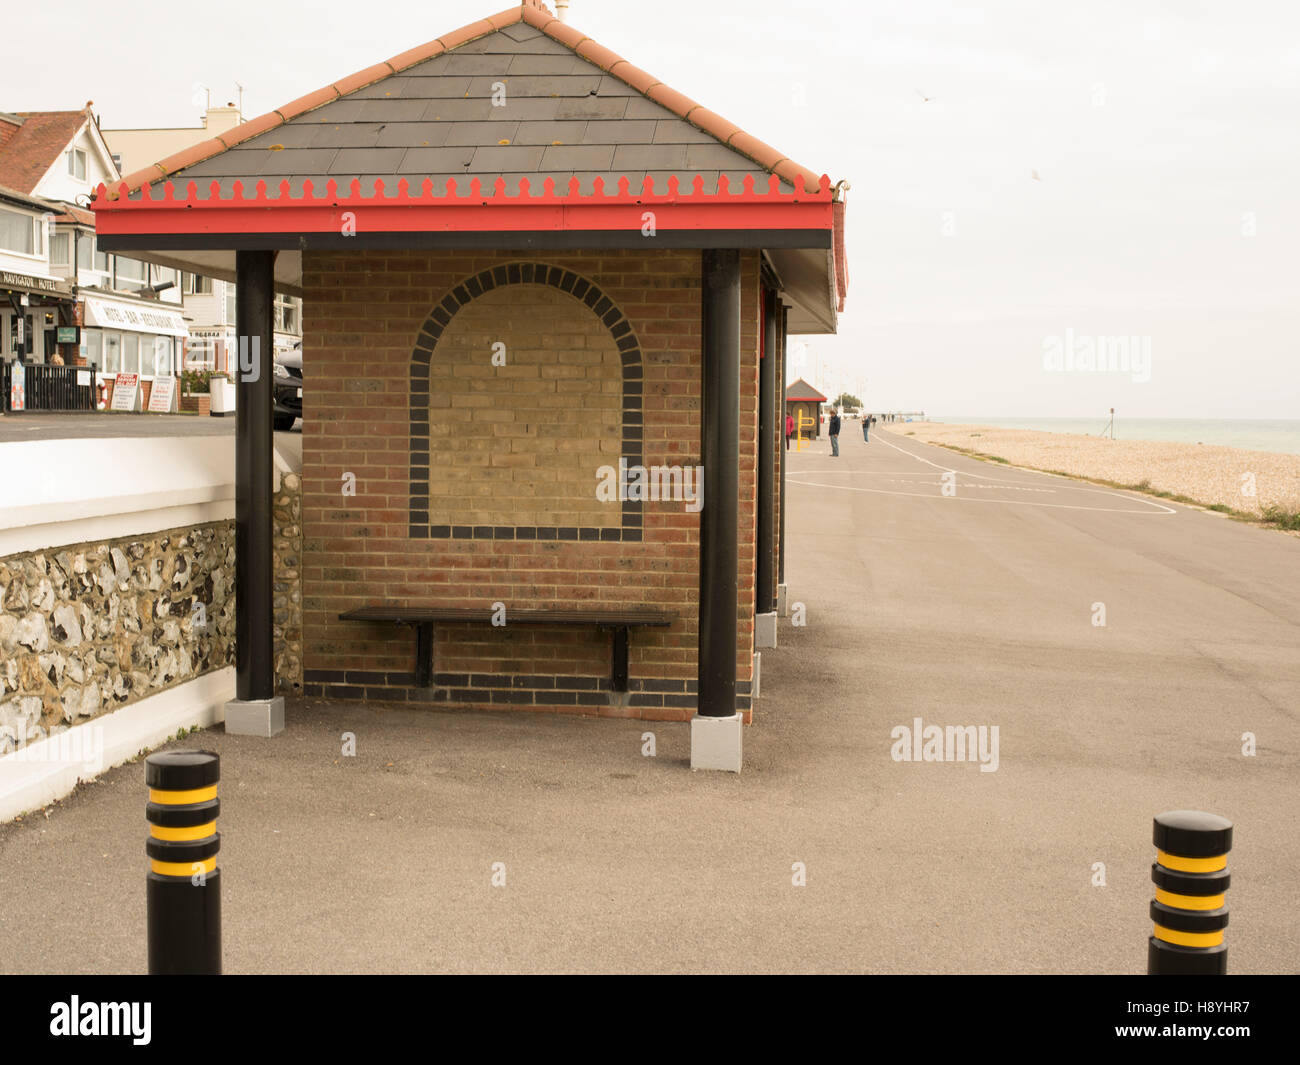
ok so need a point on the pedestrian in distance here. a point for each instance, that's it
(789, 430)
(834, 431)
(866, 426)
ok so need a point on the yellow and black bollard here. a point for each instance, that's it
(184, 883)
(1189, 910)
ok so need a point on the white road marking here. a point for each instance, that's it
(992, 483)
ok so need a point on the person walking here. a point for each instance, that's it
(789, 429)
(866, 426)
(834, 431)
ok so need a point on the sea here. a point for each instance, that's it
(1254, 434)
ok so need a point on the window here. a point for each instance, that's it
(128, 274)
(112, 352)
(230, 304)
(61, 249)
(163, 274)
(85, 251)
(103, 261)
(162, 356)
(76, 164)
(198, 285)
(94, 347)
(130, 353)
(286, 314)
(18, 232)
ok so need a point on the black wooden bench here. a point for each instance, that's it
(423, 618)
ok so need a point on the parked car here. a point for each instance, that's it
(288, 388)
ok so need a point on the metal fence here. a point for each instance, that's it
(48, 387)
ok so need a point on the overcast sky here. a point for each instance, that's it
(1165, 137)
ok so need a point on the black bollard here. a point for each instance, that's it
(184, 883)
(1190, 910)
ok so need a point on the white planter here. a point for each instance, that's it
(223, 397)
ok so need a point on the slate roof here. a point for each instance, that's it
(565, 107)
(801, 391)
(30, 149)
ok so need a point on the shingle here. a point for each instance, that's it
(430, 68)
(566, 158)
(457, 63)
(479, 132)
(640, 107)
(604, 132)
(612, 86)
(414, 134)
(368, 160)
(397, 110)
(676, 131)
(548, 64)
(521, 31)
(289, 135)
(473, 109)
(715, 157)
(567, 85)
(347, 135)
(550, 132)
(592, 107)
(497, 158)
(629, 157)
(348, 110)
(390, 88)
(435, 160)
(261, 161)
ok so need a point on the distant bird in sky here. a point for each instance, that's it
(924, 99)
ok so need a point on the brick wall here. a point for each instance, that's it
(475, 482)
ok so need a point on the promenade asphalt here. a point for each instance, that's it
(971, 608)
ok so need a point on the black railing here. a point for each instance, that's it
(47, 387)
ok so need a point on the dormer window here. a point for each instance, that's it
(77, 164)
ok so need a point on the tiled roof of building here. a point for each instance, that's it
(518, 94)
(802, 392)
(28, 150)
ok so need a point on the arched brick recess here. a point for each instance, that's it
(423, 525)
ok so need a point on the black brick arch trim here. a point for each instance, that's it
(581, 289)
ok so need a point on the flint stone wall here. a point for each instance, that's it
(92, 627)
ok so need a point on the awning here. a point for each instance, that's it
(134, 318)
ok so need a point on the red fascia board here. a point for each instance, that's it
(423, 212)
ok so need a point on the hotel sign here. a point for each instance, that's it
(53, 285)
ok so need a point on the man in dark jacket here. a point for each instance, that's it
(834, 430)
(866, 426)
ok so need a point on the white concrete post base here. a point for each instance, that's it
(255, 717)
(755, 686)
(765, 629)
(716, 742)
(783, 600)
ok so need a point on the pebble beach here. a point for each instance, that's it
(1208, 474)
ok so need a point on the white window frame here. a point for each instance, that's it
(75, 156)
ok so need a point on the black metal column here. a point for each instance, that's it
(254, 562)
(785, 342)
(720, 436)
(765, 497)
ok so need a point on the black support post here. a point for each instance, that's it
(720, 437)
(785, 343)
(765, 497)
(254, 302)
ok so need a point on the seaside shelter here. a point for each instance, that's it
(545, 307)
(802, 401)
